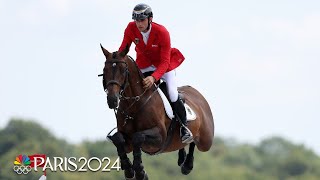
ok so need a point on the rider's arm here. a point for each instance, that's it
(127, 40)
(165, 49)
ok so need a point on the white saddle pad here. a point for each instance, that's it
(191, 115)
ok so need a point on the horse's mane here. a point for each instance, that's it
(136, 66)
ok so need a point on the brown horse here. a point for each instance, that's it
(142, 121)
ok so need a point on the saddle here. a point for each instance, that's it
(163, 87)
(191, 115)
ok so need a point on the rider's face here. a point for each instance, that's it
(142, 24)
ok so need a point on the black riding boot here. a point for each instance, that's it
(180, 111)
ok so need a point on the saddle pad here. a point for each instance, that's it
(191, 115)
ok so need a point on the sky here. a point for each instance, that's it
(256, 62)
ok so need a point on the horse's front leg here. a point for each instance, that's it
(150, 137)
(126, 165)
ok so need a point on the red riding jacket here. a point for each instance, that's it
(157, 52)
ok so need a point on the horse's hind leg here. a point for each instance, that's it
(182, 156)
(187, 165)
(126, 165)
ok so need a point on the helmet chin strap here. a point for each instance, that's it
(149, 22)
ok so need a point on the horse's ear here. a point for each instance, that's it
(124, 52)
(105, 52)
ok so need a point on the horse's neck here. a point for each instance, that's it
(135, 87)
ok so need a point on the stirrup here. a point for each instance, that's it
(188, 139)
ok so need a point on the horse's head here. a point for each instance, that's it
(115, 75)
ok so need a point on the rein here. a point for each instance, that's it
(135, 98)
(123, 86)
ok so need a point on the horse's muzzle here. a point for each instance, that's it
(113, 101)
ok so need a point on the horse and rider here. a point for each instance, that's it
(133, 92)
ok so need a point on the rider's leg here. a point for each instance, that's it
(177, 105)
(148, 70)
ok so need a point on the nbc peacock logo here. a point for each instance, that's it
(22, 164)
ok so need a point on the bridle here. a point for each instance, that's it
(114, 63)
(123, 86)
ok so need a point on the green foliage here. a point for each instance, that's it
(99, 149)
(273, 159)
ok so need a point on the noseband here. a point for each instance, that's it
(114, 63)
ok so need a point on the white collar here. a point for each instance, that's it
(148, 32)
(145, 35)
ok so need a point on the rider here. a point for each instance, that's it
(154, 53)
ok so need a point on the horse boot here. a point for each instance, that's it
(180, 111)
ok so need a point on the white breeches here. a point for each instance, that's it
(170, 79)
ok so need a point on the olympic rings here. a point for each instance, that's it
(22, 169)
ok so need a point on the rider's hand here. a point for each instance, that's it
(148, 82)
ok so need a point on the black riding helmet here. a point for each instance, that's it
(141, 11)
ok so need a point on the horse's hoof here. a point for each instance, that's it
(187, 165)
(132, 178)
(146, 176)
(185, 170)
